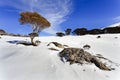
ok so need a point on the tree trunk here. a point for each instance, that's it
(33, 41)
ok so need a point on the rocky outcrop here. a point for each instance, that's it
(53, 49)
(58, 45)
(77, 55)
(100, 64)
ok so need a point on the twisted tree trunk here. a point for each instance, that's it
(32, 41)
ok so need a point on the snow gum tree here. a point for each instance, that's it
(37, 22)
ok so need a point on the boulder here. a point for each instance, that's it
(37, 42)
(100, 64)
(78, 55)
(56, 44)
(75, 55)
(98, 37)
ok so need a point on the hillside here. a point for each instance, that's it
(114, 25)
(19, 62)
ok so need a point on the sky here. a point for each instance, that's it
(62, 14)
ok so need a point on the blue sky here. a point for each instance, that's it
(61, 13)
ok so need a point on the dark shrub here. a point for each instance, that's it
(2, 32)
(80, 31)
(68, 31)
(112, 30)
(60, 34)
(95, 31)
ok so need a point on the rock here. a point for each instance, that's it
(24, 43)
(86, 46)
(53, 49)
(115, 37)
(77, 55)
(100, 64)
(95, 31)
(37, 42)
(56, 44)
(98, 36)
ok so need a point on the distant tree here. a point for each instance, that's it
(60, 34)
(2, 32)
(37, 22)
(80, 31)
(68, 31)
(95, 31)
(112, 29)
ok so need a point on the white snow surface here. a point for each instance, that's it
(114, 25)
(19, 62)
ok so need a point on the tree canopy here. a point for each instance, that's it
(37, 21)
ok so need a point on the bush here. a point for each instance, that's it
(2, 32)
(60, 34)
(95, 31)
(80, 31)
(68, 31)
(112, 30)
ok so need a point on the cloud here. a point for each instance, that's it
(117, 18)
(54, 10)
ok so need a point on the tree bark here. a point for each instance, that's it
(33, 41)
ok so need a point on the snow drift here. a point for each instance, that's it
(19, 62)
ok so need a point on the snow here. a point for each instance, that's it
(19, 62)
(114, 25)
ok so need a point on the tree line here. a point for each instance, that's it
(38, 23)
(84, 31)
